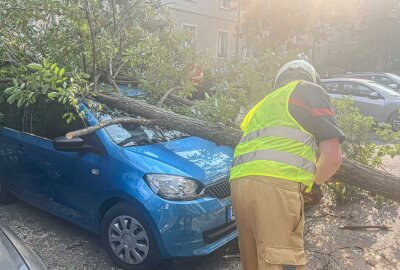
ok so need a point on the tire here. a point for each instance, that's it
(5, 195)
(138, 242)
(394, 121)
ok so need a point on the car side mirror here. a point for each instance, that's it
(69, 145)
(393, 85)
(374, 95)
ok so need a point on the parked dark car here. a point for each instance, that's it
(388, 79)
(14, 255)
(150, 193)
(373, 99)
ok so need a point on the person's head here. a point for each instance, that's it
(297, 70)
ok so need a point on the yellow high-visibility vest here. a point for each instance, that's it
(274, 144)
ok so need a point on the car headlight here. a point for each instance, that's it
(173, 187)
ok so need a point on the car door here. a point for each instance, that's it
(12, 156)
(65, 183)
(368, 104)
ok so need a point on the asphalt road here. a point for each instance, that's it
(62, 245)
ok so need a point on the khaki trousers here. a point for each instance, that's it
(270, 220)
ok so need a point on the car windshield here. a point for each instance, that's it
(384, 89)
(132, 134)
(394, 77)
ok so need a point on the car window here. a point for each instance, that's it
(383, 89)
(10, 116)
(331, 87)
(356, 89)
(386, 81)
(382, 79)
(45, 119)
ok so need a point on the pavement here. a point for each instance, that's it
(62, 245)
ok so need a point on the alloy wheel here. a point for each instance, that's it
(128, 240)
(396, 123)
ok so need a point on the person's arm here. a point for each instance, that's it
(329, 161)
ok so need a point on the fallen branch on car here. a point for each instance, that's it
(377, 182)
(114, 121)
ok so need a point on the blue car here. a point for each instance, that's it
(151, 193)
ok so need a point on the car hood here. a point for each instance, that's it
(191, 157)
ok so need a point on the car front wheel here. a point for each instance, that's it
(395, 121)
(128, 238)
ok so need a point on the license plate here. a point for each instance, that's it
(230, 213)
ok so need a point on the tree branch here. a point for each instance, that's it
(114, 121)
(165, 96)
(182, 100)
(94, 66)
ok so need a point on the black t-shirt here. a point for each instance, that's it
(310, 105)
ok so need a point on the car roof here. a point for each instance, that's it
(364, 73)
(347, 80)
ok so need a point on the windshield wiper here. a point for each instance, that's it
(135, 142)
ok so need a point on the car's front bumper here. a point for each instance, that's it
(193, 228)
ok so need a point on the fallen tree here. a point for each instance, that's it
(106, 48)
(374, 181)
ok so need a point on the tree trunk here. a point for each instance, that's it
(377, 182)
(351, 172)
(215, 132)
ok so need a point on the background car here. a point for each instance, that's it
(15, 255)
(373, 99)
(388, 79)
(150, 193)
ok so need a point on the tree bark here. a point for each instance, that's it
(375, 181)
(350, 172)
(114, 121)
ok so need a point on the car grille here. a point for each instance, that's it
(220, 190)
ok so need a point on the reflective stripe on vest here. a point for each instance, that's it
(277, 156)
(287, 132)
(274, 143)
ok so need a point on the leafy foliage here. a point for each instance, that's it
(366, 142)
(131, 41)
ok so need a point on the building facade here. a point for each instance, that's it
(212, 23)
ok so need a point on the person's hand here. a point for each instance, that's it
(315, 196)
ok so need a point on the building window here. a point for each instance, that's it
(223, 43)
(226, 4)
(191, 38)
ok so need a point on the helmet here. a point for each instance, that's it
(295, 70)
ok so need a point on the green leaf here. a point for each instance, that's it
(35, 66)
(56, 70)
(53, 66)
(45, 88)
(11, 99)
(20, 102)
(52, 95)
(9, 90)
(62, 72)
